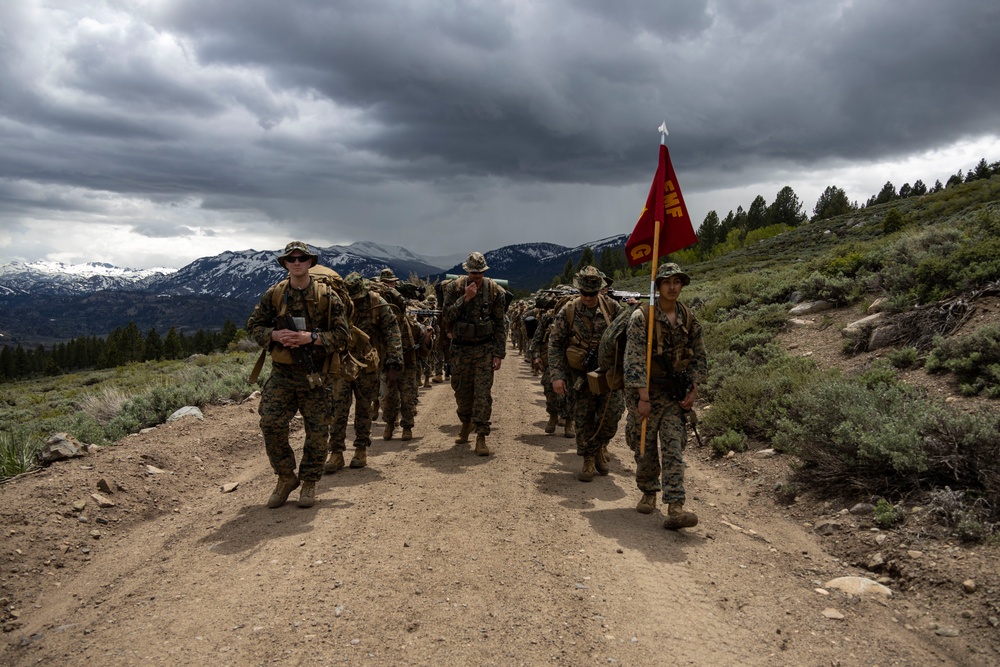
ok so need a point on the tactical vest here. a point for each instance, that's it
(475, 325)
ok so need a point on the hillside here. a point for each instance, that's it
(432, 555)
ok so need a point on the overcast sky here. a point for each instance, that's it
(153, 132)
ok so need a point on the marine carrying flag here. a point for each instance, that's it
(676, 233)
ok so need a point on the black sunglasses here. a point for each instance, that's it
(298, 258)
(588, 293)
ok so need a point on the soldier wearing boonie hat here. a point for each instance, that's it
(387, 276)
(376, 319)
(679, 366)
(473, 318)
(574, 337)
(298, 321)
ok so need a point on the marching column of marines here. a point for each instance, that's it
(334, 342)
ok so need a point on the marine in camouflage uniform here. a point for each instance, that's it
(557, 407)
(437, 351)
(679, 367)
(375, 318)
(596, 417)
(295, 355)
(399, 388)
(473, 318)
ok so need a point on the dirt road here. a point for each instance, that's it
(429, 556)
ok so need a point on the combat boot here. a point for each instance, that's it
(307, 496)
(375, 407)
(647, 504)
(677, 517)
(550, 426)
(570, 432)
(589, 469)
(407, 433)
(387, 433)
(437, 379)
(601, 461)
(463, 436)
(286, 484)
(334, 463)
(481, 448)
(360, 459)
(427, 381)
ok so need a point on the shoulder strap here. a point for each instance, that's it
(278, 297)
(605, 307)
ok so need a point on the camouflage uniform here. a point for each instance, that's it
(555, 405)
(288, 390)
(478, 333)
(596, 417)
(375, 318)
(666, 422)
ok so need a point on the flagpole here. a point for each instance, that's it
(651, 313)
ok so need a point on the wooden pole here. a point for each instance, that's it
(650, 314)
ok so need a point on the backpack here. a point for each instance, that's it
(578, 350)
(611, 353)
(398, 304)
(324, 280)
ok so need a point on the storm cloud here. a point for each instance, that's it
(179, 128)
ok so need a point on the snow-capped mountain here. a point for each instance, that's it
(59, 278)
(50, 301)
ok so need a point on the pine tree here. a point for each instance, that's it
(786, 209)
(172, 346)
(153, 348)
(756, 215)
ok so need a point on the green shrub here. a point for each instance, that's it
(750, 393)
(974, 359)
(18, 449)
(839, 288)
(893, 221)
(888, 515)
(904, 357)
(730, 441)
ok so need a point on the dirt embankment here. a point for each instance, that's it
(434, 556)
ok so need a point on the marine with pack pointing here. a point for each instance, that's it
(308, 323)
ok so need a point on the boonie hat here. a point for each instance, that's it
(356, 285)
(475, 264)
(387, 276)
(301, 247)
(588, 279)
(671, 269)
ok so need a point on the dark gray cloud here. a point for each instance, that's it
(441, 125)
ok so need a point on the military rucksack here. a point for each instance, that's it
(397, 304)
(324, 282)
(611, 353)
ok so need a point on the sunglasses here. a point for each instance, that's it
(298, 258)
(588, 293)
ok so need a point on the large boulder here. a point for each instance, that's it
(61, 446)
(809, 307)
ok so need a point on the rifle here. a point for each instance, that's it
(423, 312)
(619, 295)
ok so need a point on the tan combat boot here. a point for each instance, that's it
(437, 379)
(570, 432)
(360, 459)
(463, 436)
(550, 426)
(647, 504)
(334, 463)
(286, 484)
(589, 469)
(427, 381)
(677, 517)
(407, 433)
(387, 433)
(481, 448)
(601, 461)
(307, 496)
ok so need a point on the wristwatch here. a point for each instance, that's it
(315, 336)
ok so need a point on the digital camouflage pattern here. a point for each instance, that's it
(374, 316)
(287, 390)
(595, 417)
(662, 466)
(538, 348)
(471, 361)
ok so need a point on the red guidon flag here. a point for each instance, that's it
(676, 233)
